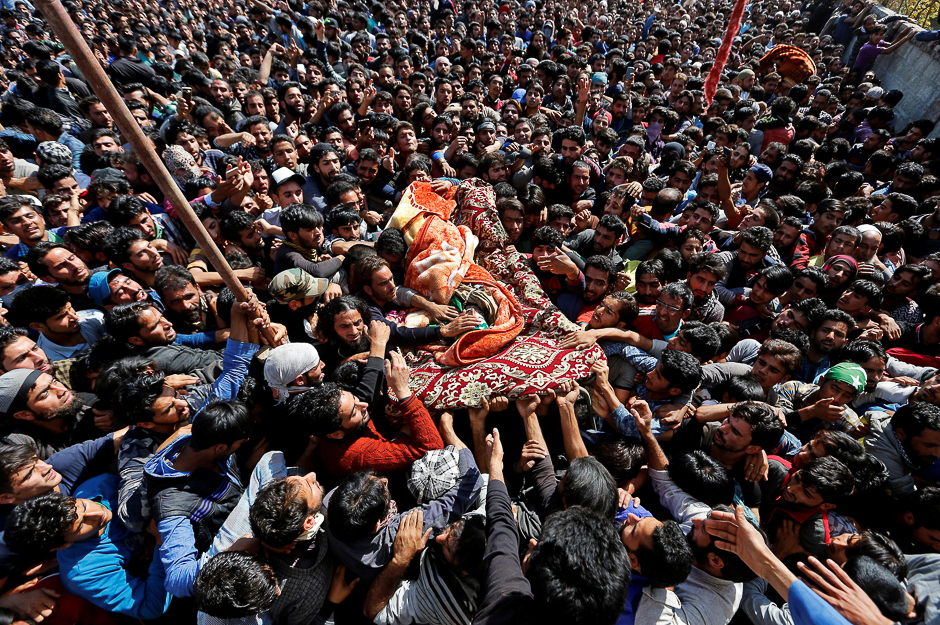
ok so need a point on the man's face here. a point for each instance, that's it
(499, 172)
(99, 116)
(827, 222)
(768, 371)
(680, 180)
(220, 91)
(349, 326)
(66, 268)
(49, 400)
(580, 180)
(570, 151)
(637, 533)
(284, 155)
(170, 409)
(733, 435)
(289, 193)
(606, 315)
(353, 413)
(383, 286)
(604, 241)
(702, 284)
(124, 290)
(36, 478)
(749, 256)
(929, 391)
(27, 224)
(925, 447)
(785, 236)
(185, 303)
(367, 171)
(648, 288)
(597, 283)
(669, 312)
(155, 329)
(23, 353)
(561, 224)
(902, 284)
(852, 303)
(188, 142)
(513, 221)
(701, 219)
(829, 336)
(785, 173)
(262, 135)
(144, 258)
(656, 381)
(798, 494)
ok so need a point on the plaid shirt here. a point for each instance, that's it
(792, 396)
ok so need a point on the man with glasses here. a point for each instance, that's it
(673, 308)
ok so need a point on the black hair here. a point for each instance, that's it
(605, 264)
(13, 459)
(118, 242)
(760, 237)
(669, 562)
(655, 268)
(829, 477)
(880, 585)
(587, 483)
(221, 422)
(51, 174)
(235, 584)
(703, 339)
(317, 409)
(133, 398)
(915, 417)
(741, 388)
(702, 477)
(39, 525)
(766, 428)
(680, 291)
(233, 225)
(777, 279)
(579, 540)
(546, 235)
(297, 216)
(337, 306)
(623, 458)
(124, 208)
(36, 256)
(681, 370)
(278, 513)
(357, 505)
(707, 262)
(36, 303)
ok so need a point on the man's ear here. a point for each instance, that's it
(129, 267)
(294, 304)
(715, 560)
(147, 425)
(6, 499)
(907, 517)
(686, 314)
(309, 522)
(338, 435)
(25, 415)
(827, 506)
(634, 563)
(37, 326)
(752, 450)
(900, 434)
(136, 341)
(674, 391)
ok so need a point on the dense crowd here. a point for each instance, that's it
(748, 267)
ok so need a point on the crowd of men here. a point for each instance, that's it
(759, 443)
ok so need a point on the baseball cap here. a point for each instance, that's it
(283, 175)
(763, 173)
(14, 389)
(294, 284)
(330, 23)
(98, 285)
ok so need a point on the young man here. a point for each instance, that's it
(95, 551)
(56, 264)
(908, 444)
(129, 250)
(600, 276)
(349, 440)
(810, 407)
(143, 330)
(63, 331)
(302, 225)
(22, 219)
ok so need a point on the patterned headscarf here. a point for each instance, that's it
(180, 163)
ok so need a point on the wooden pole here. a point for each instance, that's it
(65, 29)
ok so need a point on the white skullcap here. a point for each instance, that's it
(285, 363)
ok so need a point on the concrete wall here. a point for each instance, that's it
(914, 68)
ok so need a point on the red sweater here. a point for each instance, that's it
(373, 451)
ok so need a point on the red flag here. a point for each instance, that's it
(734, 24)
